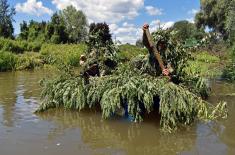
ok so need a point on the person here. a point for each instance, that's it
(161, 46)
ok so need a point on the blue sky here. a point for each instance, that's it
(125, 17)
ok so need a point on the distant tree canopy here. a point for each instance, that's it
(66, 26)
(6, 18)
(184, 30)
(75, 23)
(217, 15)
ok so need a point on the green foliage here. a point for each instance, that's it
(101, 51)
(66, 26)
(10, 61)
(216, 15)
(56, 30)
(174, 54)
(206, 57)
(230, 22)
(28, 61)
(68, 54)
(16, 46)
(7, 61)
(204, 64)
(75, 24)
(178, 106)
(99, 35)
(184, 30)
(229, 70)
(36, 31)
(127, 52)
(6, 18)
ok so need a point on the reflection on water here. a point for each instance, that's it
(69, 132)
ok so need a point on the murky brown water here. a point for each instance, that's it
(60, 132)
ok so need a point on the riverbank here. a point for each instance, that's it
(21, 55)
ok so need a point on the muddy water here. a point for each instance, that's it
(59, 132)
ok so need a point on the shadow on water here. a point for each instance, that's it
(69, 132)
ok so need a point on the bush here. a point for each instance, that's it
(16, 46)
(229, 71)
(7, 61)
(206, 57)
(28, 60)
(204, 64)
(68, 54)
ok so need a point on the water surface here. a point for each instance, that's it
(59, 132)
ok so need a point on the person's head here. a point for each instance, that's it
(82, 59)
(161, 46)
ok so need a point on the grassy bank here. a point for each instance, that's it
(21, 55)
(206, 64)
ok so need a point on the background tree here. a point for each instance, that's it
(24, 31)
(75, 23)
(55, 31)
(230, 22)
(36, 31)
(184, 29)
(216, 14)
(6, 19)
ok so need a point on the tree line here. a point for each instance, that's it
(65, 26)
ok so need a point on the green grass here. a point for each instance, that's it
(205, 64)
(127, 52)
(206, 57)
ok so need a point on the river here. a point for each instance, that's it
(60, 132)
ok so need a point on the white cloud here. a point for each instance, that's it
(193, 12)
(126, 33)
(156, 24)
(153, 11)
(33, 7)
(191, 20)
(112, 11)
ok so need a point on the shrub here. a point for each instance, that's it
(68, 54)
(204, 64)
(7, 61)
(28, 60)
(229, 71)
(16, 46)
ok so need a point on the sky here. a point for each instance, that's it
(125, 17)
